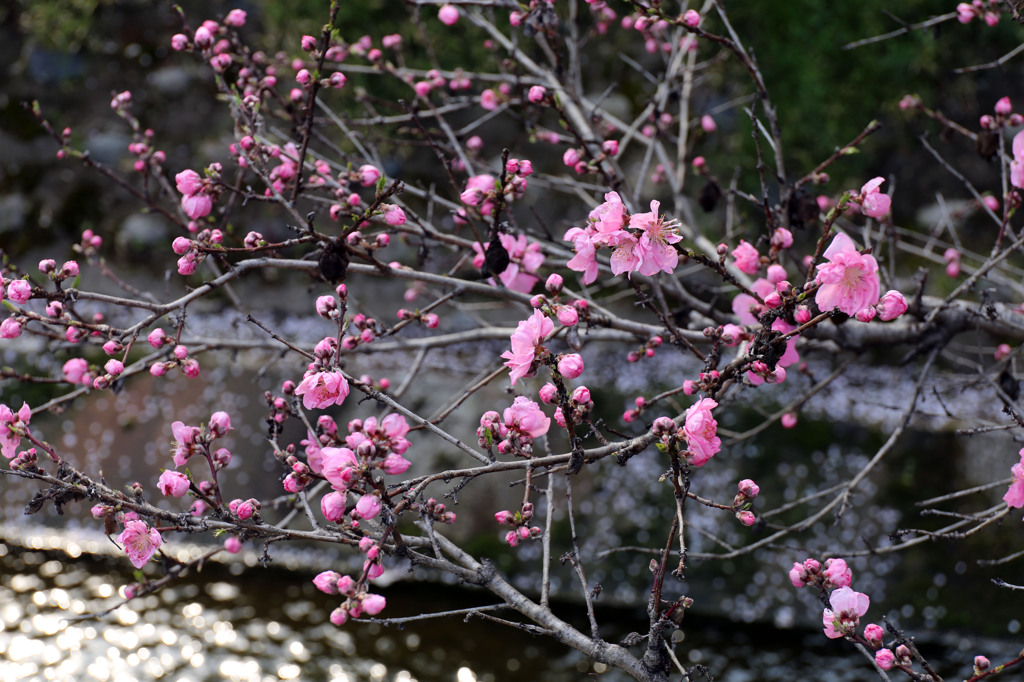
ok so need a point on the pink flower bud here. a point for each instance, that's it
(537, 94)
(610, 147)
(691, 18)
(802, 315)
(19, 291)
(10, 328)
(448, 14)
(885, 659)
(581, 396)
(368, 506)
(748, 488)
(891, 305)
(708, 124)
(788, 420)
(570, 366)
(571, 157)
(874, 633)
(1003, 106)
(747, 518)
(567, 315)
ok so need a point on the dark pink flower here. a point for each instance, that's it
(526, 416)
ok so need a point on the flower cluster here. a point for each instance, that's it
(358, 601)
(641, 242)
(197, 194)
(515, 430)
(520, 522)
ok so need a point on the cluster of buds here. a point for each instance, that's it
(835, 574)
(112, 369)
(952, 258)
(245, 509)
(515, 430)
(381, 384)
(429, 320)
(580, 405)
(89, 245)
(1004, 116)
(26, 460)
(193, 440)
(435, 511)
(482, 190)
(366, 329)
(329, 307)
(705, 382)
(631, 415)
(48, 267)
(358, 601)
(568, 314)
(644, 351)
(146, 155)
(966, 12)
(520, 522)
(743, 501)
(197, 192)
(189, 366)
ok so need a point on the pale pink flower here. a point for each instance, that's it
(140, 542)
(488, 100)
(847, 608)
(746, 307)
(654, 250)
(1014, 497)
(527, 336)
(220, 423)
(699, 429)
(849, 281)
(173, 484)
(9, 440)
(608, 219)
(872, 201)
(625, 257)
(526, 416)
(322, 389)
(585, 260)
(395, 464)
(747, 258)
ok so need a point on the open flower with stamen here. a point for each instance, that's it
(140, 542)
(322, 389)
(525, 339)
(849, 281)
(654, 246)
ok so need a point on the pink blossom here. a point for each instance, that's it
(322, 389)
(708, 124)
(1014, 497)
(653, 249)
(526, 415)
(699, 429)
(10, 328)
(537, 94)
(448, 14)
(747, 258)
(338, 466)
(524, 260)
(488, 100)
(232, 545)
(74, 370)
(570, 366)
(395, 464)
(1017, 165)
(805, 573)
(19, 291)
(394, 215)
(368, 506)
(196, 205)
(9, 440)
(528, 335)
(373, 604)
(847, 608)
(691, 18)
(220, 423)
(872, 201)
(585, 260)
(332, 505)
(849, 281)
(173, 484)
(235, 17)
(140, 542)
(874, 633)
(837, 573)
(885, 659)
(567, 315)
(788, 420)
(368, 175)
(891, 305)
